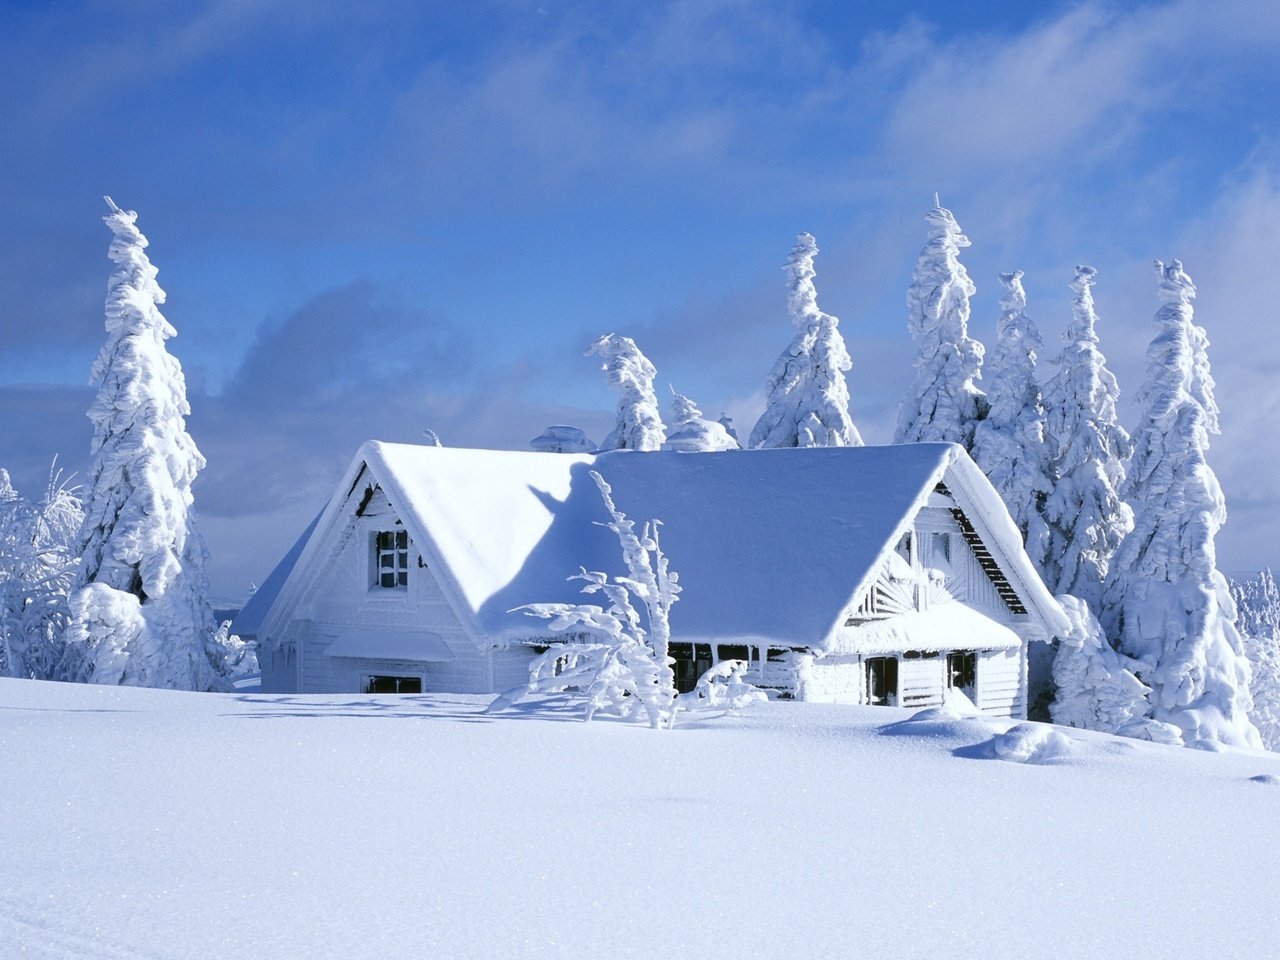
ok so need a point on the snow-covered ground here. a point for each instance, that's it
(153, 824)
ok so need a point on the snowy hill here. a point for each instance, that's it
(141, 823)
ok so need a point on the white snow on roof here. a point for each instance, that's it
(948, 626)
(770, 545)
(421, 646)
(249, 620)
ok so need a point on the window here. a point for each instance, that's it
(393, 685)
(692, 660)
(882, 681)
(940, 549)
(903, 547)
(391, 558)
(962, 672)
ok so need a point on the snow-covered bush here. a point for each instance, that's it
(1095, 687)
(807, 402)
(39, 554)
(639, 424)
(722, 689)
(109, 625)
(1258, 607)
(139, 535)
(944, 402)
(1165, 601)
(560, 438)
(690, 432)
(628, 672)
(1033, 743)
(1009, 445)
(1087, 450)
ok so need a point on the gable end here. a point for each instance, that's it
(985, 560)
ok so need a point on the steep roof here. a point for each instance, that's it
(771, 546)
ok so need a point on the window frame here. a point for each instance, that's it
(389, 559)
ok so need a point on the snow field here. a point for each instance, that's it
(157, 824)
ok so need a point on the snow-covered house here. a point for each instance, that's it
(882, 575)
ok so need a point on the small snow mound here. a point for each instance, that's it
(1153, 730)
(1270, 779)
(1032, 743)
(1212, 746)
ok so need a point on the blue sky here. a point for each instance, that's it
(376, 218)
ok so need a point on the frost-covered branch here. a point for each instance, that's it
(631, 665)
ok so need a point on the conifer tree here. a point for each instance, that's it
(808, 400)
(690, 432)
(142, 613)
(1166, 602)
(639, 423)
(1009, 445)
(38, 561)
(1258, 606)
(1087, 450)
(944, 402)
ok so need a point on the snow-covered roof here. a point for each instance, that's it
(419, 645)
(771, 546)
(248, 622)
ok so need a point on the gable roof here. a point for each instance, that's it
(772, 546)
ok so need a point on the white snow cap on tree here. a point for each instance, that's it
(1009, 444)
(1087, 450)
(1166, 602)
(808, 400)
(944, 402)
(639, 424)
(139, 531)
(691, 433)
(560, 438)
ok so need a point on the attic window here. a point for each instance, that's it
(904, 546)
(391, 558)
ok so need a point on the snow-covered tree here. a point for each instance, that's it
(807, 403)
(1258, 607)
(639, 424)
(628, 671)
(1095, 687)
(1009, 445)
(944, 402)
(38, 560)
(1165, 601)
(560, 438)
(431, 438)
(690, 432)
(1087, 450)
(142, 612)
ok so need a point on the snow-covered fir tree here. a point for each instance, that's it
(1094, 687)
(690, 432)
(38, 560)
(561, 438)
(639, 423)
(1258, 619)
(142, 611)
(1087, 450)
(944, 402)
(807, 402)
(1166, 602)
(1009, 445)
